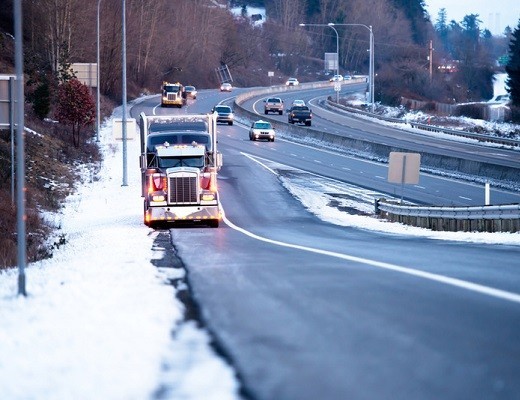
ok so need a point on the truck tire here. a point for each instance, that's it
(307, 123)
(280, 112)
(266, 112)
(213, 223)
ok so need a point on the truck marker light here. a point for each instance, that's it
(208, 196)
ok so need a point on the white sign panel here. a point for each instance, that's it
(7, 99)
(117, 128)
(86, 73)
(404, 167)
(331, 61)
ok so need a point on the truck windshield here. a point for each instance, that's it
(177, 138)
(171, 89)
(189, 161)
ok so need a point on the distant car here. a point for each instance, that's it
(300, 114)
(273, 104)
(336, 78)
(191, 92)
(347, 77)
(503, 98)
(262, 130)
(226, 87)
(292, 82)
(298, 103)
(224, 114)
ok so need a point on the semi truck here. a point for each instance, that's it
(179, 165)
(173, 94)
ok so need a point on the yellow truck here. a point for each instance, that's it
(173, 94)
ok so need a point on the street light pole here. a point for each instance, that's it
(20, 151)
(331, 25)
(371, 69)
(371, 62)
(97, 77)
(125, 173)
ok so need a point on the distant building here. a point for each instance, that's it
(448, 67)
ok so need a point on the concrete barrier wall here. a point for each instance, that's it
(450, 164)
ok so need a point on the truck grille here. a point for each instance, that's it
(172, 96)
(183, 189)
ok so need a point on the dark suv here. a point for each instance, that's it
(273, 104)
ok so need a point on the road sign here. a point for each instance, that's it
(86, 73)
(7, 100)
(337, 86)
(404, 167)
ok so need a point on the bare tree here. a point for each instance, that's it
(53, 25)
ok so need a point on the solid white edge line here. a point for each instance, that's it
(498, 293)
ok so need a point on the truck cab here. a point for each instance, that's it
(179, 169)
(173, 94)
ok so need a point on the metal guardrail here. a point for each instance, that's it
(492, 218)
(431, 128)
(507, 211)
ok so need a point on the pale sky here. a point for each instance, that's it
(494, 14)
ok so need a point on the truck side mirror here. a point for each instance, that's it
(142, 161)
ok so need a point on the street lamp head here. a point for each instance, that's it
(302, 24)
(331, 24)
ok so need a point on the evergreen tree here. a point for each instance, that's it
(442, 28)
(513, 67)
(42, 100)
(416, 14)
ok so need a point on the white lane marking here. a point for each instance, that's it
(380, 177)
(474, 287)
(419, 187)
(465, 198)
(254, 105)
(501, 294)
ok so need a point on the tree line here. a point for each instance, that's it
(187, 40)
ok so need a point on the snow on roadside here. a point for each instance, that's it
(100, 320)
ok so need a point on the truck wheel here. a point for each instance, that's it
(308, 123)
(213, 223)
(280, 112)
(230, 122)
(266, 112)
